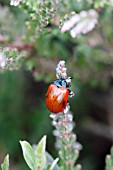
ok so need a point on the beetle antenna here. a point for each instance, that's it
(70, 77)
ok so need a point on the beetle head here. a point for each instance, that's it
(63, 82)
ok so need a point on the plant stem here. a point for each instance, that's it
(63, 122)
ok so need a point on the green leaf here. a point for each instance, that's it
(40, 153)
(5, 165)
(112, 154)
(41, 146)
(54, 164)
(108, 162)
(48, 167)
(50, 160)
(41, 161)
(78, 167)
(28, 154)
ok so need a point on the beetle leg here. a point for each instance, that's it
(71, 94)
(68, 81)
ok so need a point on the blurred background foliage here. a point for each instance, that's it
(89, 59)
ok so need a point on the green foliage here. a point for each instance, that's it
(5, 165)
(109, 161)
(87, 52)
(11, 59)
(33, 32)
(28, 154)
(36, 158)
(51, 162)
(8, 34)
(40, 152)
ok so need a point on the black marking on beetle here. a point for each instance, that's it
(63, 103)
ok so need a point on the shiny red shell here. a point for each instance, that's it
(56, 98)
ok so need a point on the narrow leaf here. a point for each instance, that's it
(41, 146)
(41, 161)
(28, 154)
(5, 165)
(40, 153)
(50, 160)
(54, 163)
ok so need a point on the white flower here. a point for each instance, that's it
(77, 146)
(15, 2)
(56, 133)
(83, 22)
(3, 60)
(70, 23)
(54, 116)
(61, 70)
(66, 110)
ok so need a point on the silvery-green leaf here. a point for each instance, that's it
(41, 161)
(28, 154)
(5, 165)
(50, 161)
(54, 163)
(40, 153)
(41, 146)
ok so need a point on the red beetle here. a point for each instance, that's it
(57, 95)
